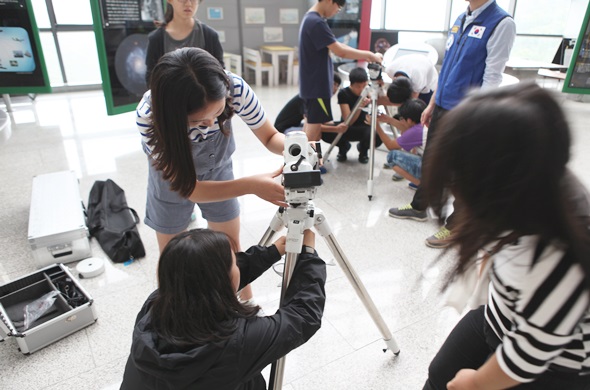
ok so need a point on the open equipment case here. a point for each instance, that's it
(72, 310)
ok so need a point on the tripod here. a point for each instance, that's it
(372, 91)
(298, 217)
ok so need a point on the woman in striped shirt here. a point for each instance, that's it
(503, 155)
(184, 120)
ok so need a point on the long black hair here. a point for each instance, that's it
(196, 301)
(183, 82)
(503, 153)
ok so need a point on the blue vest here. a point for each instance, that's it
(465, 58)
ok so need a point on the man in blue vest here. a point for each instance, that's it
(477, 49)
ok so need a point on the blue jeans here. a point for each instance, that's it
(409, 162)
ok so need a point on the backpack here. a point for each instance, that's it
(113, 223)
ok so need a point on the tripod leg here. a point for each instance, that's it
(357, 106)
(277, 371)
(274, 226)
(372, 144)
(323, 228)
(332, 145)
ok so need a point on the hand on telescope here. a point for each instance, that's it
(376, 57)
(265, 187)
(281, 244)
(309, 238)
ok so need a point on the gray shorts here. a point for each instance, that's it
(168, 213)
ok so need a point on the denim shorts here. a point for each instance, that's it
(169, 213)
(409, 162)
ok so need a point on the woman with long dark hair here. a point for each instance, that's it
(186, 132)
(503, 153)
(193, 332)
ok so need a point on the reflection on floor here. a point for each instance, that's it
(72, 132)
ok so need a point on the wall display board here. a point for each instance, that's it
(346, 26)
(577, 79)
(121, 28)
(22, 65)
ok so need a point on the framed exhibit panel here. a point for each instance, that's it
(577, 79)
(121, 28)
(22, 65)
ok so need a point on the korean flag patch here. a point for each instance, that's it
(477, 32)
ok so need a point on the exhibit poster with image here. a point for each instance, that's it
(22, 67)
(577, 79)
(121, 28)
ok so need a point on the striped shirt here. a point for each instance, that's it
(245, 103)
(540, 310)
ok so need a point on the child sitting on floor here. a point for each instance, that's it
(405, 152)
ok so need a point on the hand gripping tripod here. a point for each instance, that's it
(372, 91)
(300, 180)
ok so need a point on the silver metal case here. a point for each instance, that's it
(61, 320)
(57, 226)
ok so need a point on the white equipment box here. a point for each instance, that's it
(57, 226)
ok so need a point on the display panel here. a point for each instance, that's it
(121, 28)
(22, 66)
(577, 79)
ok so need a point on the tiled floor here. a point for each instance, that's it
(72, 132)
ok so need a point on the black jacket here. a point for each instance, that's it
(155, 48)
(235, 363)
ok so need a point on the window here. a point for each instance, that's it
(78, 50)
(72, 12)
(416, 15)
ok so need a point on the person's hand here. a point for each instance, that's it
(376, 57)
(265, 187)
(366, 101)
(341, 128)
(384, 118)
(465, 379)
(427, 115)
(281, 244)
(309, 238)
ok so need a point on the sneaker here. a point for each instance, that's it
(341, 157)
(412, 186)
(408, 212)
(323, 169)
(439, 239)
(397, 177)
(387, 166)
(363, 156)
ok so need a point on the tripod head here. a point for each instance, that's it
(300, 173)
(375, 71)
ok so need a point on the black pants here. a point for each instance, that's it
(471, 343)
(419, 201)
(360, 133)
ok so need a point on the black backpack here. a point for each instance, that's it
(113, 223)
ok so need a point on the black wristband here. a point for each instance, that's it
(307, 249)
